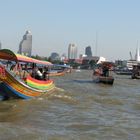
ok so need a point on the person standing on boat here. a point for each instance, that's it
(37, 74)
(134, 72)
(105, 70)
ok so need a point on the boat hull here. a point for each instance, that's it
(105, 80)
(15, 87)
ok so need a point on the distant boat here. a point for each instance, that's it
(59, 70)
(102, 74)
(56, 73)
(123, 72)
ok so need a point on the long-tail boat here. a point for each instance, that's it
(102, 74)
(14, 86)
(59, 70)
(56, 73)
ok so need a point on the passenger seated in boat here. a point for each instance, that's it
(37, 74)
(17, 69)
(45, 73)
(25, 72)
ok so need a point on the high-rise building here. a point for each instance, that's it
(63, 57)
(25, 46)
(72, 51)
(88, 51)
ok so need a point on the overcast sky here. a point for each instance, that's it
(56, 23)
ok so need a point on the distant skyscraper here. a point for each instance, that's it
(63, 56)
(0, 46)
(25, 46)
(55, 56)
(88, 51)
(72, 51)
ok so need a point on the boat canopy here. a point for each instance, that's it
(9, 55)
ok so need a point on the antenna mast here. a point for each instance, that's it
(96, 45)
(131, 58)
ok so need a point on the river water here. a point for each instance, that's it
(78, 110)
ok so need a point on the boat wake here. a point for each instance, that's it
(62, 94)
(59, 89)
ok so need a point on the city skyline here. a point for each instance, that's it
(55, 24)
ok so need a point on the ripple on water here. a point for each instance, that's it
(105, 100)
(136, 106)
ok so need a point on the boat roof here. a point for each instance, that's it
(10, 55)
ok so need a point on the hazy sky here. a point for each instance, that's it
(56, 23)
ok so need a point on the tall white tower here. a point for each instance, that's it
(25, 46)
(72, 51)
(137, 55)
